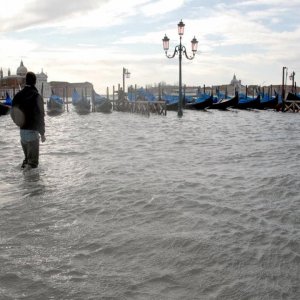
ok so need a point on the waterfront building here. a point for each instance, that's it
(235, 85)
(65, 89)
(12, 83)
(42, 84)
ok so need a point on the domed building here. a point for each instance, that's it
(13, 83)
(21, 71)
(236, 84)
(42, 85)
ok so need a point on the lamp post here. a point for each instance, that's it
(292, 77)
(126, 74)
(283, 81)
(180, 49)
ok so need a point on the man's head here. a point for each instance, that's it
(30, 78)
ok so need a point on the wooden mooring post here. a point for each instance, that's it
(291, 106)
(143, 107)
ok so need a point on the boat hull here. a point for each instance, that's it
(83, 107)
(4, 109)
(55, 108)
(249, 104)
(200, 105)
(269, 104)
(104, 106)
(226, 103)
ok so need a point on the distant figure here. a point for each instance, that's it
(28, 113)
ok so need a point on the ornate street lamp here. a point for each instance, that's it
(179, 49)
(292, 77)
(126, 74)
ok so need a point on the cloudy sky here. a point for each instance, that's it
(92, 40)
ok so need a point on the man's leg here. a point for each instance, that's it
(25, 161)
(33, 153)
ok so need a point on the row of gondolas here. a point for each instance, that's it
(218, 101)
(239, 101)
(82, 105)
(56, 105)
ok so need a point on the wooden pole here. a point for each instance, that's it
(93, 100)
(67, 100)
(159, 91)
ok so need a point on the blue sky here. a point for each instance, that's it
(92, 40)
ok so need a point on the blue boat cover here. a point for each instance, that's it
(75, 97)
(171, 99)
(8, 100)
(244, 99)
(56, 99)
(99, 99)
(141, 93)
(202, 98)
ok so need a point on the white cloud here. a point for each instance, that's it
(241, 27)
(161, 7)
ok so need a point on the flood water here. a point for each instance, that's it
(125, 206)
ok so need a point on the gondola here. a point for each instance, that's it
(267, 102)
(171, 101)
(172, 106)
(200, 103)
(6, 106)
(248, 102)
(223, 104)
(291, 96)
(55, 105)
(102, 104)
(4, 109)
(81, 104)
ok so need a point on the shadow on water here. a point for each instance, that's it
(17, 184)
(32, 184)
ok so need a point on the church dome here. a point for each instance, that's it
(21, 71)
(234, 80)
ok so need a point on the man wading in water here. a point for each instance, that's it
(28, 113)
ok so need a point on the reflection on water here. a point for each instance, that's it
(128, 207)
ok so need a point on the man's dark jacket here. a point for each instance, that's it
(28, 109)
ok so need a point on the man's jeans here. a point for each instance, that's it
(31, 152)
(30, 143)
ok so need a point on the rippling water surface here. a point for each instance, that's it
(128, 207)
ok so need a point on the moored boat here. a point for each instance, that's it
(4, 109)
(171, 101)
(269, 102)
(82, 104)
(248, 102)
(292, 96)
(55, 105)
(223, 104)
(6, 106)
(200, 103)
(102, 104)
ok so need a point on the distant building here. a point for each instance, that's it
(42, 85)
(13, 83)
(236, 84)
(65, 89)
